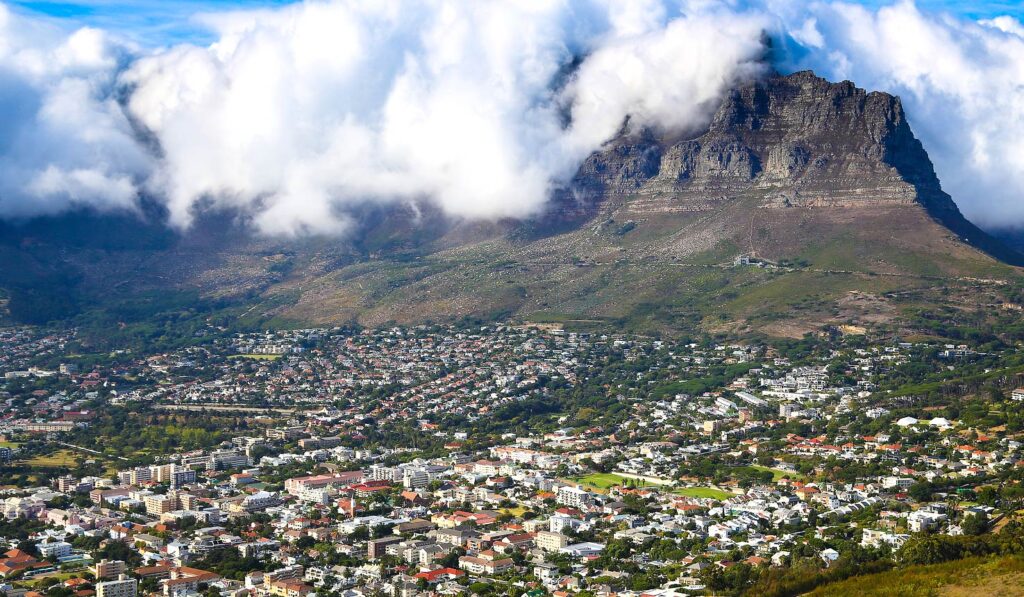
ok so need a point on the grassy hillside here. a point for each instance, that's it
(1002, 576)
(673, 272)
(625, 268)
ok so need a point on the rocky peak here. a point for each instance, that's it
(785, 141)
(791, 140)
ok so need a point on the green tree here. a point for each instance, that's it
(928, 549)
(975, 524)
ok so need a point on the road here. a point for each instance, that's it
(226, 408)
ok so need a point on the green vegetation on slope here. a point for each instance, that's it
(971, 576)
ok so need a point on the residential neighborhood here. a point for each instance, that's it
(512, 460)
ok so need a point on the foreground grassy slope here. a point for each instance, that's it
(1002, 576)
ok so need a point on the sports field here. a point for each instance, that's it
(703, 492)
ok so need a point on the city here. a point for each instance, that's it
(511, 298)
(497, 459)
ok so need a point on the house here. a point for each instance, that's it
(183, 581)
(16, 560)
(829, 556)
(923, 520)
(582, 550)
(54, 549)
(488, 562)
(288, 588)
(439, 575)
(805, 493)
(548, 541)
(414, 499)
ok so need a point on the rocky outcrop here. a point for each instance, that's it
(785, 141)
(792, 140)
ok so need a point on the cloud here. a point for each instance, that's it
(317, 106)
(294, 114)
(672, 76)
(63, 140)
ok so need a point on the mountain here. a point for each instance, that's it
(787, 142)
(804, 203)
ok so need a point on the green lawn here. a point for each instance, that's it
(11, 445)
(36, 582)
(604, 480)
(60, 458)
(778, 473)
(703, 492)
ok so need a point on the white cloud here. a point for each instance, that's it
(296, 113)
(63, 140)
(670, 77)
(1006, 24)
(315, 106)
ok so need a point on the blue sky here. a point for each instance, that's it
(162, 22)
(148, 22)
(980, 9)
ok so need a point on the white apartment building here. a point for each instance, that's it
(574, 497)
(122, 587)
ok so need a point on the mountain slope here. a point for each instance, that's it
(823, 184)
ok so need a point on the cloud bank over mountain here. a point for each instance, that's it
(64, 139)
(296, 112)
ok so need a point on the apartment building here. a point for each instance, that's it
(108, 569)
(122, 587)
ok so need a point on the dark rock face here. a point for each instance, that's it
(786, 141)
(794, 140)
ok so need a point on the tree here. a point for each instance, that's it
(928, 549)
(987, 495)
(975, 523)
(119, 550)
(921, 491)
(452, 559)
(1013, 497)
(382, 530)
(29, 546)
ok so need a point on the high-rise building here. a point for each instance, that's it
(226, 459)
(376, 548)
(109, 569)
(573, 497)
(158, 504)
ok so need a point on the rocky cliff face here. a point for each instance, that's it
(785, 142)
(794, 140)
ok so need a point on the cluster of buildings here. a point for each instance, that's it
(722, 455)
